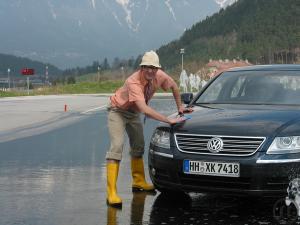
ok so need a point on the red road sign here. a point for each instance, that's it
(27, 71)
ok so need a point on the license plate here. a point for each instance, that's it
(211, 168)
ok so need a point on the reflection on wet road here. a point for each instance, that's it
(58, 177)
(205, 209)
(213, 209)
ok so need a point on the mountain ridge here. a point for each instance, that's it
(74, 33)
(15, 64)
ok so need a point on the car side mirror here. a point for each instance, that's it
(187, 97)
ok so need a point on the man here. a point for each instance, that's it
(123, 114)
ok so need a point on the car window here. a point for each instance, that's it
(254, 87)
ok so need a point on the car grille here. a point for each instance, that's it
(232, 145)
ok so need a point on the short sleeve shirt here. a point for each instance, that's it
(133, 89)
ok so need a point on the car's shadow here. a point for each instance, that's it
(217, 209)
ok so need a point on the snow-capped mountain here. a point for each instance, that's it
(73, 33)
(225, 3)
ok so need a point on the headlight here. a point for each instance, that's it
(161, 138)
(281, 145)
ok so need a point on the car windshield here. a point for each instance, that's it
(253, 87)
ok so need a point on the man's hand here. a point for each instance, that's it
(183, 110)
(173, 121)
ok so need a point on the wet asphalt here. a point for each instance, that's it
(59, 177)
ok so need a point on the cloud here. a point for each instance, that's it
(79, 23)
(168, 4)
(147, 5)
(93, 4)
(186, 3)
(52, 10)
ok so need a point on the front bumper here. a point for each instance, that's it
(260, 174)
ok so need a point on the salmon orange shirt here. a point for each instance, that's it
(133, 89)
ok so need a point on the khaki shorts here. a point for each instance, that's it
(120, 121)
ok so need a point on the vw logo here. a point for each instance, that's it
(215, 144)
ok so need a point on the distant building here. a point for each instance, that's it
(3, 84)
(215, 67)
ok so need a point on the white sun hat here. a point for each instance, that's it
(150, 59)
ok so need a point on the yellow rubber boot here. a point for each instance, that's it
(138, 174)
(112, 170)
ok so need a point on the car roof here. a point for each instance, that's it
(273, 67)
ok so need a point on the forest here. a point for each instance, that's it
(262, 31)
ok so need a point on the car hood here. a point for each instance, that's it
(241, 120)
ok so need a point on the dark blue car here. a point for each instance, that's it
(243, 136)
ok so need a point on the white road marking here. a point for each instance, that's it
(94, 109)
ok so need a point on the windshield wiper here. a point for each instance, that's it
(205, 104)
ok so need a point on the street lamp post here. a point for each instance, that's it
(123, 74)
(99, 74)
(182, 52)
(8, 77)
(46, 75)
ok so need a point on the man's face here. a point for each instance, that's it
(149, 72)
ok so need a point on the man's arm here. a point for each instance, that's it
(177, 97)
(144, 108)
